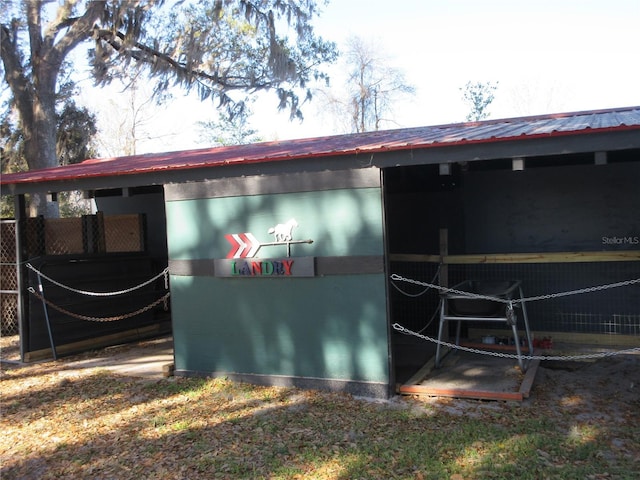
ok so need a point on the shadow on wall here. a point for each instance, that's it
(323, 327)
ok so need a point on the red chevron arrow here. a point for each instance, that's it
(243, 245)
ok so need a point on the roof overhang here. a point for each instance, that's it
(561, 134)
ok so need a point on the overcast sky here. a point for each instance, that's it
(547, 56)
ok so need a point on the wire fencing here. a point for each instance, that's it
(610, 312)
(432, 287)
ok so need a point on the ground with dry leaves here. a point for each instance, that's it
(60, 423)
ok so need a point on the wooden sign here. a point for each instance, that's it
(265, 267)
(241, 261)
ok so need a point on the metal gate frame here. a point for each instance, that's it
(12, 281)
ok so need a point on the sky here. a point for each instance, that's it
(546, 56)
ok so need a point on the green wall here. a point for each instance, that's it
(340, 223)
(325, 327)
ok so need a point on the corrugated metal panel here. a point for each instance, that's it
(381, 141)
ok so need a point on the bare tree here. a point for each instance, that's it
(127, 117)
(535, 97)
(371, 89)
(215, 47)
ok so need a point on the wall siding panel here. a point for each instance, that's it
(323, 329)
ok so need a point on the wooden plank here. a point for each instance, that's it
(566, 337)
(414, 258)
(460, 393)
(421, 374)
(551, 257)
(350, 265)
(192, 268)
(413, 386)
(99, 342)
(501, 258)
(444, 251)
(270, 184)
(168, 369)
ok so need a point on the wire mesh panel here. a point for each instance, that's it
(88, 297)
(7, 241)
(123, 233)
(53, 237)
(414, 306)
(63, 236)
(87, 234)
(9, 313)
(610, 311)
(8, 279)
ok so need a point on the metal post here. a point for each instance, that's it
(443, 280)
(440, 331)
(46, 317)
(20, 214)
(516, 340)
(526, 322)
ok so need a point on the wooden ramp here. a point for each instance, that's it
(475, 376)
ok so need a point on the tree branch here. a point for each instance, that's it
(14, 74)
(81, 29)
(63, 20)
(149, 55)
(33, 26)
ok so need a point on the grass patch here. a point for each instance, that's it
(108, 427)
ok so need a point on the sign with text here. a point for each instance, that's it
(265, 267)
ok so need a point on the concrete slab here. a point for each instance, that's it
(147, 359)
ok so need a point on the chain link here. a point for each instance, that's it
(406, 331)
(164, 274)
(144, 309)
(426, 289)
(510, 302)
(397, 278)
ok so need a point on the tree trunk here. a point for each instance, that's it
(40, 137)
(34, 88)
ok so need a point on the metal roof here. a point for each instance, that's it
(490, 131)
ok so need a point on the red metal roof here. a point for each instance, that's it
(370, 142)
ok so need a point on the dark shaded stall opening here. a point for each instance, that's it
(484, 220)
(67, 264)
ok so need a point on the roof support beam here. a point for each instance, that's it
(431, 154)
(600, 158)
(517, 164)
(445, 169)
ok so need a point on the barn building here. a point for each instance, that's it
(285, 260)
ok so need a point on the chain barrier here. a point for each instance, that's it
(397, 278)
(164, 274)
(144, 309)
(40, 296)
(406, 331)
(426, 289)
